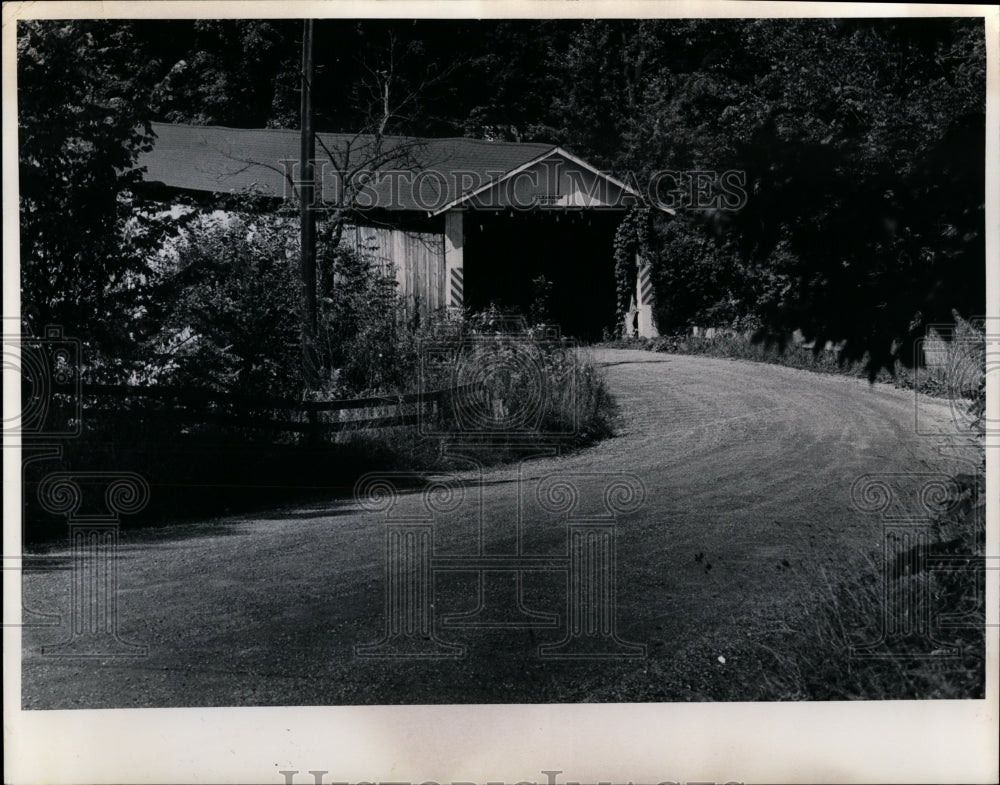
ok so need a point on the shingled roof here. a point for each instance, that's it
(231, 160)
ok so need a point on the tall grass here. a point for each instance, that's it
(933, 377)
(835, 648)
(521, 385)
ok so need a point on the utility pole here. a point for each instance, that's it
(307, 192)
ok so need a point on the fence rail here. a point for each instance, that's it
(261, 401)
(208, 407)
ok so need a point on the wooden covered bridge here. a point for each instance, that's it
(465, 223)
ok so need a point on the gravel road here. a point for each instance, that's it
(747, 470)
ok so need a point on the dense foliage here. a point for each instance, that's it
(82, 121)
(861, 142)
(632, 243)
(228, 291)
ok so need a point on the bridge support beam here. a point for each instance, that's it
(645, 323)
(454, 259)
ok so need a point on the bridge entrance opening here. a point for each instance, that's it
(555, 264)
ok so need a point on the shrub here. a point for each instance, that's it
(528, 379)
(232, 317)
(696, 277)
(362, 333)
(231, 321)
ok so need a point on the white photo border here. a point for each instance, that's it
(879, 741)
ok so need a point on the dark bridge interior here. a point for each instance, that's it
(506, 251)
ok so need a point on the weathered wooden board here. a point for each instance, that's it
(416, 257)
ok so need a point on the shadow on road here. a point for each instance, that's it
(633, 362)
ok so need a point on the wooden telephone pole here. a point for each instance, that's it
(307, 193)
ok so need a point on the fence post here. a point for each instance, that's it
(313, 435)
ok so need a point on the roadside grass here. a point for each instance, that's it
(837, 647)
(930, 380)
(526, 390)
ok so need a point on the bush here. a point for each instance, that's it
(363, 334)
(231, 318)
(696, 277)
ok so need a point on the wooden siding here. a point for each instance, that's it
(417, 258)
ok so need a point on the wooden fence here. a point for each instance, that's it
(314, 418)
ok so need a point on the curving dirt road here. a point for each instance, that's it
(747, 471)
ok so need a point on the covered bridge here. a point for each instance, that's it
(464, 222)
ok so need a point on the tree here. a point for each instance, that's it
(235, 72)
(862, 143)
(231, 303)
(229, 294)
(82, 121)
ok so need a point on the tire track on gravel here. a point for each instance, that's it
(748, 464)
